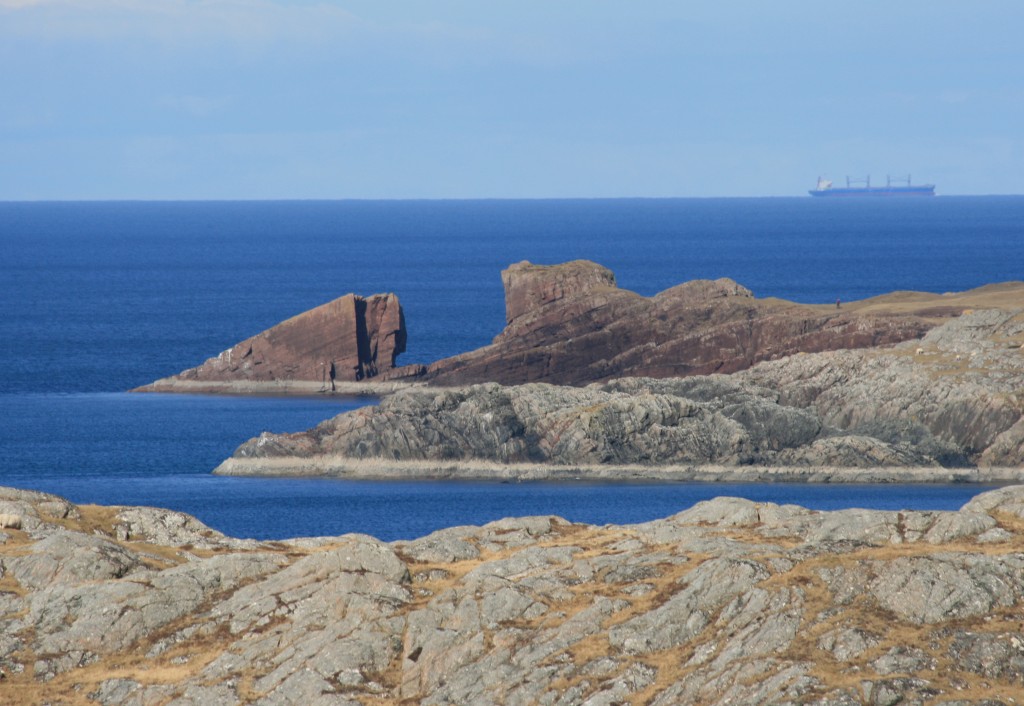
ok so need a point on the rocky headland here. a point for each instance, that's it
(569, 324)
(702, 381)
(360, 337)
(728, 602)
(946, 407)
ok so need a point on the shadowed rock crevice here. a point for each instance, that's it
(361, 337)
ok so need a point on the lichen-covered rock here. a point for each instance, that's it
(1009, 500)
(443, 546)
(905, 659)
(730, 601)
(35, 511)
(996, 655)
(931, 589)
(71, 558)
(953, 402)
(166, 527)
(847, 644)
(78, 623)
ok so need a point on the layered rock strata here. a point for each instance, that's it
(570, 324)
(361, 337)
(728, 602)
(952, 399)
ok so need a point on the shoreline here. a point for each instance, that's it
(341, 468)
(275, 388)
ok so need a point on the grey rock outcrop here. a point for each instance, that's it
(952, 400)
(71, 558)
(956, 392)
(729, 601)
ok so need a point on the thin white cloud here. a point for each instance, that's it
(248, 21)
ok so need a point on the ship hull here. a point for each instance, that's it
(923, 190)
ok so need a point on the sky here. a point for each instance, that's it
(378, 99)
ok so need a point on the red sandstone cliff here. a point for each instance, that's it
(360, 336)
(570, 324)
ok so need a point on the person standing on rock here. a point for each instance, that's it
(837, 303)
(333, 373)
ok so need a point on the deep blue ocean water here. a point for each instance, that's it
(96, 298)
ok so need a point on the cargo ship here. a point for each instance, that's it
(862, 187)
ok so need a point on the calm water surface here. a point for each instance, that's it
(97, 298)
(124, 449)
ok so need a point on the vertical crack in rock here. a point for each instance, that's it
(361, 337)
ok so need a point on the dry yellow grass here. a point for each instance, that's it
(186, 660)
(72, 688)
(1006, 296)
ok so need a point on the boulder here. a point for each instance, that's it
(72, 558)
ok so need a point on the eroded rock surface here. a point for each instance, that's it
(727, 602)
(569, 324)
(950, 400)
(362, 337)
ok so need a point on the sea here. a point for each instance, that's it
(99, 297)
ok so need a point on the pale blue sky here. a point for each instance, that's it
(182, 99)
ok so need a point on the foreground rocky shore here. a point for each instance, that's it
(728, 602)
